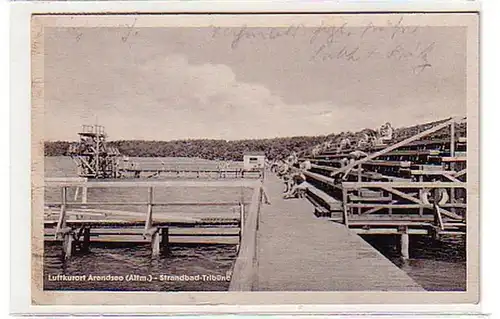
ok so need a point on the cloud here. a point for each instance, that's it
(170, 98)
(210, 102)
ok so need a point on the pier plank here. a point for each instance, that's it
(298, 252)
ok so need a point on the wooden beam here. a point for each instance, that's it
(65, 179)
(321, 178)
(451, 178)
(460, 173)
(402, 206)
(395, 146)
(139, 222)
(354, 198)
(388, 231)
(450, 214)
(168, 183)
(439, 218)
(402, 195)
(146, 203)
(357, 185)
(454, 159)
(373, 210)
(425, 172)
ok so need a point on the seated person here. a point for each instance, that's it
(299, 186)
(306, 165)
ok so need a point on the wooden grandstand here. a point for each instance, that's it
(414, 183)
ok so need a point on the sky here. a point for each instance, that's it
(242, 83)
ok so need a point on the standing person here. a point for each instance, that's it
(283, 169)
(288, 183)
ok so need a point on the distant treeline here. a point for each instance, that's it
(274, 148)
(202, 148)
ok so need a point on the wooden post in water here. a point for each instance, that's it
(68, 244)
(160, 242)
(85, 246)
(165, 244)
(155, 243)
(405, 244)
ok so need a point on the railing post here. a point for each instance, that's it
(149, 216)
(390, 209)
(77, 189)
(242, 218)
(84, 194)
(452, 139)
(420, 195)
(61, 223)
(344, 204)
(452, 164)
(359, 180)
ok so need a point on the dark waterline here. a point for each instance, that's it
(185, 268)
(437, 265)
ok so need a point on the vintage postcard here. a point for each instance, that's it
(255, 159)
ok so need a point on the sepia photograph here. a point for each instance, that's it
(255, 153)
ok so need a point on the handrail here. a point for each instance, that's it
(235, 203)
(354, 185)
(64, 183)
(403, 190)
(244, 270)
(169, 183)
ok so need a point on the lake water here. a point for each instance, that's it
(210, 262)
(435, 265)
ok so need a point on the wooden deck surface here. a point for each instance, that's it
(298, 252)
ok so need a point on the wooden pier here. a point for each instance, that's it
(76, 224)
(193, 173)
(298, 252)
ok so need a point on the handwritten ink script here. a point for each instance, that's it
(130, 31)
(394, 41)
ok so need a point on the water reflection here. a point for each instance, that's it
(437, 265)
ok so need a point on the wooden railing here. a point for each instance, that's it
(150, 230)
(244, 270)
(410, 198)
